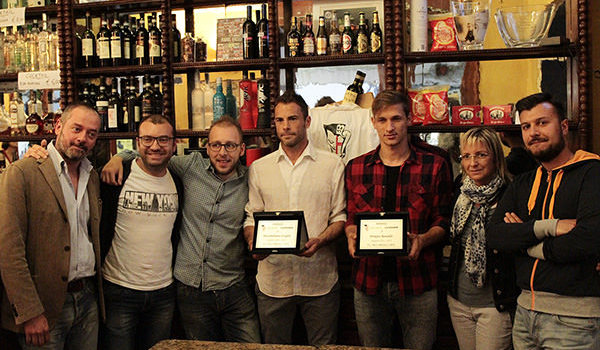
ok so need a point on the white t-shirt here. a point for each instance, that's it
(140, 256)
(344, 129)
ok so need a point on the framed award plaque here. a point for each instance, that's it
(381, 233)
(279, 232)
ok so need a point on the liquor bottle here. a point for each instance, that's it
(142, 55)
(17, 114)
(32, 59)
(127, 42)
(103, 44)
(132, 108)
(200, 50)
(94, 90)
(20, 50)
(157, 96)
(102, 106)
(154, 39)
(335, 38)
(85, 97)
(208, 101)
(376, 35)
(308, 39)
(262, 28)
(34, 124)
(264, 102)
(4, 124)
(9, 51)
(254, 99)
(146, 98)
(362, 37)
(294, 40)
(48, 120)
(249, 35)
(322, 38)
(116, 43)
(175, 40)
(197, 104)
(230, 102)
(115, 116)
(348, 44)
(355, 89)
(219, 101)
(246, 121)
(188, 44)
(44, 44)
(54, 49)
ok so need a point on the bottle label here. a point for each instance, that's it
(346, 43)
(32, 128)
(112, 117)
(115, 47)
(335, 43)
(262, 98)
(87, 47)
(127, 49)
(103, 48)
(154, 48)
(139, 51)
(125, 115)
(293, 45)
(48, 126)
(375, 42)
(363, 43)
(137, 114)
(14, 118)
(101, 104)
(321, 46)
(350, 97)
(309, 46)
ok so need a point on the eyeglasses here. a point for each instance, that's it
(478, 156)
(149, 140)
(216, 146)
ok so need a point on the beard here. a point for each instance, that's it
(549, 153)
(68, 153)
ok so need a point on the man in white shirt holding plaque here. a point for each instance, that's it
(298, 177)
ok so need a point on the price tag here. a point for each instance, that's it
(12, 17)
(8, 86)
(39, 80)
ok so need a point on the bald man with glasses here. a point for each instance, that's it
(213, 296)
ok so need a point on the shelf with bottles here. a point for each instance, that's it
(117, 5)
(331, 60)
(566, 49)
(37, 11)
(221, 66)
(154, 69)
(28, 120)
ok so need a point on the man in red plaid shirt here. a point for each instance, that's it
(398, 176)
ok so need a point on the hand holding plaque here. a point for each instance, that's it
(382, 233)
(282, 232)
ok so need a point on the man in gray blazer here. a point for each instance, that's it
(50, 250)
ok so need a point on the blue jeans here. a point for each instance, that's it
(320, 315)
(137, 317)
(218, 315)
(77, 325)
(538, 330)
(417, 316)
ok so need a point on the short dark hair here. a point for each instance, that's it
(388, 98)
(228, 121)
(529, 102)
(290, 96)
(66, 114)
(324, 101)
(157, 119)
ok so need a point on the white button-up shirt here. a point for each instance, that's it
(82, 262)
(315, 185)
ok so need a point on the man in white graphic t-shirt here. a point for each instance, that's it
(139, 232)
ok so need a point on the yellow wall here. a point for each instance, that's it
(505, 82)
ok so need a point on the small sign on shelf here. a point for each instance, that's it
(39, 80)
(12, 17)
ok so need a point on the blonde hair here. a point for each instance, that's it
(492, 141)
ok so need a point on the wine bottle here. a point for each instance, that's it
(308, 40)
(102, 106)
(146, 98)
(175, 40)
(142, 55)
(249, 35)
(115, 116)
(103, 44)
(362, 37)
(154, 36)
(157, 96)
(376, 35)
(355, 89)
(219, 101)
(132, 106)
(294, 39)
(322, 38)
(116, 43)
(263, 34)
(230, 102)
(127, 42)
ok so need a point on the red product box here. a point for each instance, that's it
(497, 115)
(466, 115)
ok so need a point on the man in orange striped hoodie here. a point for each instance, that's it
(550, 219)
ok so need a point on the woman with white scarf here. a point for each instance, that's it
(482, 289)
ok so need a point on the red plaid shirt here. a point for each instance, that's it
(424, 190)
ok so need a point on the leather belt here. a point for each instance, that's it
(77, 285)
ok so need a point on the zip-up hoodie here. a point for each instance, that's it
(557, 272)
